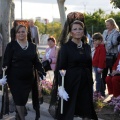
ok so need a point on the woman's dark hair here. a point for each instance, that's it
(15, 24)
(71, 17)
(77, 22)
(20, 26)
(84, 38)
(97, 36)
(52, 39)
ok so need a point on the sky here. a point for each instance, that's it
(48, 9)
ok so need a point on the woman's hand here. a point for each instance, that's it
(114, 72)
(99, 70)
(3, 81)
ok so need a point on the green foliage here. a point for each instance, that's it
(53, 28)
(40, 27)
(116, 3)
(95, 22)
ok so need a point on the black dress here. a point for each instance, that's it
(78, 81)
(20, 72)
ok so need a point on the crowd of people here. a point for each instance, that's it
(25, 70)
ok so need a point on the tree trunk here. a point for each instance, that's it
(6, 11)
(62, 11)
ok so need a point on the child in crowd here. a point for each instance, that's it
(99, 59)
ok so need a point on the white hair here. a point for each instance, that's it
(31, 19)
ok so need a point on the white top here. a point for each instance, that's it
(23, 47)
(118, 67)
(48, 54)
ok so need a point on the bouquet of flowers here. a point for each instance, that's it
(115, 102)
(47, 86)
(98, 100)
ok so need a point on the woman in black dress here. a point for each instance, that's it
(75, 57)
(21, 59)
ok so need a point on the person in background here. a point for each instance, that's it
(113, 79)
(21, 59)
(99, 59)
(34, 32)
(13, 29)
(90, 40)
(110, 40)
(51, 52)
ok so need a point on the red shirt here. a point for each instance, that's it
(116, 63)
(99, 58)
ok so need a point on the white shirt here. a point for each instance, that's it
(48, 54)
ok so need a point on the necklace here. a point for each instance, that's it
(79, 45)
(23, 47)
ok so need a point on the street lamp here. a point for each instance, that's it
(21, 9)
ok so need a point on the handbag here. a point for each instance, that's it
(110, 59)
(46, 65)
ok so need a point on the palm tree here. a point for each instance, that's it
(116, 3)
(6, 17)
(62, 11)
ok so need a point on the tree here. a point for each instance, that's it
(54, 29)
(40, 26)
(6, 17)
(116, 3)
(62, 11)
(95, 21)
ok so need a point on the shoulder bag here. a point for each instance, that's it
(46, 65)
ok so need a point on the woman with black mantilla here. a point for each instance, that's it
(75, 57)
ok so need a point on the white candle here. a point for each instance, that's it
(62, 72)
(4, 69)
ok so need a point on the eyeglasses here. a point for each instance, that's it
(21, 32)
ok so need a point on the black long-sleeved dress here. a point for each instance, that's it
(78, 81)
(20, 70)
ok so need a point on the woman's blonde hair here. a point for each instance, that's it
(112, 22)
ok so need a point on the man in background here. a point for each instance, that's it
(34, 32)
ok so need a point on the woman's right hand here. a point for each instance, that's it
(114, 72)
(3, 81)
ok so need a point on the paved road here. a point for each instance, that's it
(31, 113)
